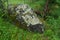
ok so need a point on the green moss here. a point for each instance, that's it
(9, 31)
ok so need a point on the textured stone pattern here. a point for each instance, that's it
(24, 13)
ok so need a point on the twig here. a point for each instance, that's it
(46, 9)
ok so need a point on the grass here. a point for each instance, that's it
(9, 31)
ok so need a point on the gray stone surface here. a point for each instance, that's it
(24, 13)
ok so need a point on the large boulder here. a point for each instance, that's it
(24, 14)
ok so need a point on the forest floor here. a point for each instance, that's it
(9, 31)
